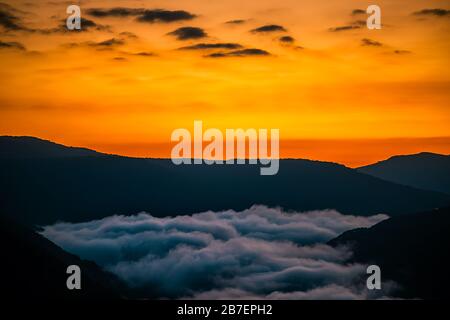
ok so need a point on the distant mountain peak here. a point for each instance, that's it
(423, 154)
(424, 170)
(32, 147)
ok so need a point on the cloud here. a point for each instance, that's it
(11, 22)
(240, 53)
(360, 23)
(433, 12)
(287, 39)
(249, 52)
(138, 54)
(260, 252)
(165, 16)
(8, 20)
(143, 54)
(402, 52)
(101, 45)
(328, 292)
(128, 34)
(357, 12)
(86, 25)
(143, 15)
(357, 24)
(237, 21)
(12, 45)
(108, 43)
(369, 42)
(186, 33)
(236, 50)
(207, 46)
(269, 28)
(345, 28)
(114, 12)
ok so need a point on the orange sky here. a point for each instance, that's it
(334, 100)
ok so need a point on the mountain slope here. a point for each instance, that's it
(30, 147)
(426, 171)
(34, 268)
(412, 250)
(45, 190)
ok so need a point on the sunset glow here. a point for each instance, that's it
(334, 96)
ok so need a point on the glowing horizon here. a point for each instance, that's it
(333, 96)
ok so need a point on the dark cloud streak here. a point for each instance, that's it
(370, 43)
(344, 28)
(108, 43)
(101, 45)
(237, 21)
(9, 21)
(433, 12)
(114, 12)
(287, 39)
(153, 16)
(357, 12)
(12, 45)
(187, 33)
(402, 51)
(269, 28)
(240, 53)
(208, 46)
(143, 15)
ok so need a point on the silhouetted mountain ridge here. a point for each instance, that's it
(49, 189)
(31, 147)
(412, 250)
(34, 268)
(428, 171)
